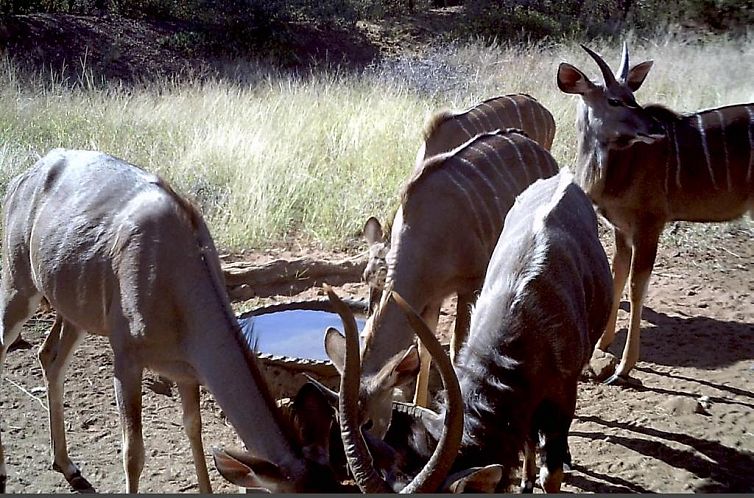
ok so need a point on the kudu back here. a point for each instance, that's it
(646, 166)
(444, 131)
(545, 300)
(451, 214)
(118, 253)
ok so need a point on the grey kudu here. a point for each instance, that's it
(119, 254)
(545, 301)
(645, 166)
(451, 214)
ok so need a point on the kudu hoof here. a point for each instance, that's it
(622, 380)
(76, 481)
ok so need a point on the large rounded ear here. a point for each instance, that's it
(637, 74)
(476, 480)
(314, 417)
(572, 80)
(335, 347)
(243, 469)
(399, 370)
(373, 231)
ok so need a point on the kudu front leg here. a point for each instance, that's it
(430, 315)
(642, 262)
(54, 356)
(461, 327)
(192, 424)
(621, 266)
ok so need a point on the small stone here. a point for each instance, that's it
(601, 366)
(683, 405)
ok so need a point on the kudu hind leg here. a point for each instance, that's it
(192, 424)
(128, 396)
(642, 262)
(621, 266)
(421, 396)
(54, 356)
(15, 309)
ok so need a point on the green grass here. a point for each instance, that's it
(311, 157)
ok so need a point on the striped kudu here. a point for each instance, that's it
(645, 166)
(451, 214)
(545, 302)
(444, 131)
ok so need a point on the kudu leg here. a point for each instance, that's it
(128, 396)
(192, 423)
(461, 327)
(15, 309)
(530, 466)
(621, 266)
(421, 396)
(54, 356)
(644, 253)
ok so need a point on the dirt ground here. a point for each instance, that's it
(697, 345)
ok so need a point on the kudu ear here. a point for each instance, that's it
(572, 80)
(399, 370)
(637, 74)
(373, 231)
(475, 480)
(335, 347)
(243, 469)
(314, 417)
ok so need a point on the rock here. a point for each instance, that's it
(683, 405)
(601, 366)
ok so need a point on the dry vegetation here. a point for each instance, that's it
(272, 156)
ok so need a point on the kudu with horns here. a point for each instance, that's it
(545, 301)
(119, 254)
(444, 131)
(645, 166)
(451, 214)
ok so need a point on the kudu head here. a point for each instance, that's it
(311, 416)
(610, 115)
(375, 272)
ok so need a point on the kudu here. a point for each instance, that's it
(444, 131)
(645, 166)
(119, 254)
(545, 301)
(451, 214)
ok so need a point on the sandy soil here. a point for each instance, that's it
(696, 342)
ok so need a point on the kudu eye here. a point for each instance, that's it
(614, 102)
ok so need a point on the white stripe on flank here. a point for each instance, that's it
(459, 120)
(535, 158)
(469, 199)
(703, 135)
(751, 144)
(677, 157)
(725, 149)
(476, 115)
(518, 111)
(667, 167)
(520, 158)
(486, 179)
(488, 115)
(494, 192)
(535, 136)
(501, 166)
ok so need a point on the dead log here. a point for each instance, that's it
(289, 276)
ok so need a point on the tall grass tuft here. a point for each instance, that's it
(272, 157)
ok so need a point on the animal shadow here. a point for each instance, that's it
(721, 469)
(691, 341)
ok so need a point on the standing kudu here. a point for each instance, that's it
(444, 131)
(119, 254)
(451, 214)
(545, 301)
(645, 166)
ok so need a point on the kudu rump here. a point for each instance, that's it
(444, 131)
(451, 214)
(545, 301)
(645, 166)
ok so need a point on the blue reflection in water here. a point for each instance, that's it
(293, 333)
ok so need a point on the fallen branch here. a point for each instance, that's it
(23, 390)
(287, 277)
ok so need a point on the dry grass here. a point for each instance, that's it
(311, 157)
